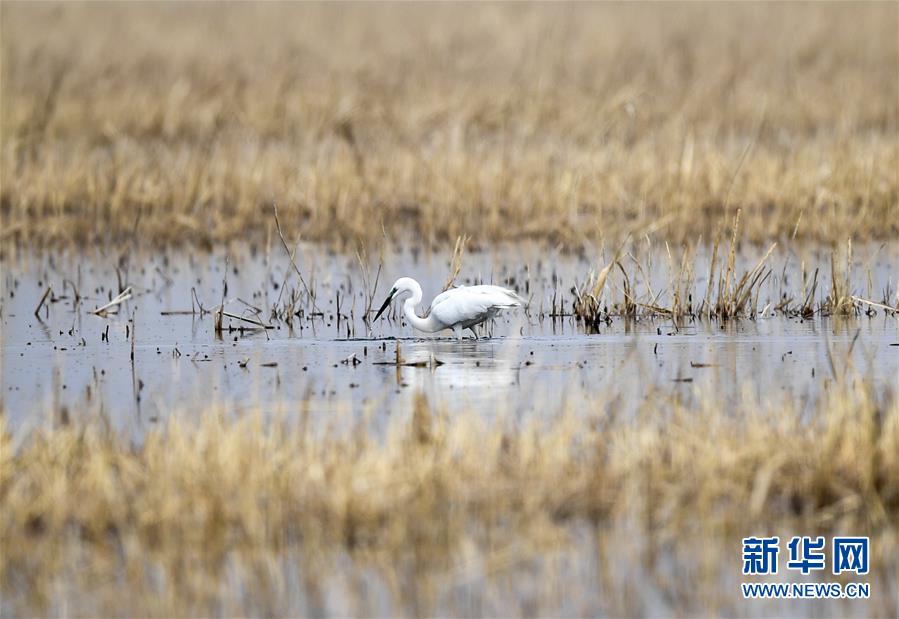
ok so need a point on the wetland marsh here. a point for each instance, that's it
(200, 204)
(324, 354)
(323, 415)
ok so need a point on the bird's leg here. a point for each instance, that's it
(473, 332)
(458, 331)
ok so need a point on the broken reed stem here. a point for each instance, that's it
(809, 296)
(217, 327)
(120, 298)
(456, 262)
(874, 304)
(252, 321)
(42, 301)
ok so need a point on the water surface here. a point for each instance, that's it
(160, 353)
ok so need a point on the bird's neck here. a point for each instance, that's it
(428, 325)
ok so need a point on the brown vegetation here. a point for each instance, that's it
(215, 500)
(565, 123)
(622, 287)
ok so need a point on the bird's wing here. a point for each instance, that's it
(471, 302)
(502, 297)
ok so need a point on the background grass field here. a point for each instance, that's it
(564, 123)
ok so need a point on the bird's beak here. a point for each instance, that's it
(386, 303)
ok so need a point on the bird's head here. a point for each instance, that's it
(403, 284)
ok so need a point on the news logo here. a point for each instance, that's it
(806, 554)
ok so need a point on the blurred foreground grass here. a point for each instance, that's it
(216, 512)
(170, 123)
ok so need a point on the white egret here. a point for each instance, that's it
(457, 308)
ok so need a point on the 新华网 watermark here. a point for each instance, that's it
(848, 555)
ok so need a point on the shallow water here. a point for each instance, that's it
(330, 362)
(162, 357)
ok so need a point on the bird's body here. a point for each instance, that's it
(457, 308)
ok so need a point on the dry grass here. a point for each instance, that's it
(208, 516)
(623, 287)
(173, 123)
